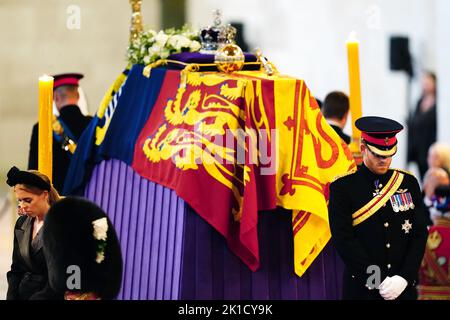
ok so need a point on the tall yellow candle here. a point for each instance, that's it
(45, 136)
(355, 88)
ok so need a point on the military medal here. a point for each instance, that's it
(401, 207)
(407, 226)
(377, 189)
(410, 201)
(405, 201)
(394, 204)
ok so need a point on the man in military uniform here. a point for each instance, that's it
(67, 127)
(377, 219)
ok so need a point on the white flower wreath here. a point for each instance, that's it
(151, 46)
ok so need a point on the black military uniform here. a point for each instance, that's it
(378, 220)
(71, 123)
(342, 134)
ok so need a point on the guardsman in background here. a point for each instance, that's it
(377, 219)
(335, 110)
(67, 127)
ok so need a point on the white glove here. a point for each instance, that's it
(392, 287)
(385, 282)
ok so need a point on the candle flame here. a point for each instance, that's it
(352, 37)
(45, 78)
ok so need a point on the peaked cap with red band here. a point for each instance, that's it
(66, 79)
(379, 134)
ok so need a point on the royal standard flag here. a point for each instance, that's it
(231, 145)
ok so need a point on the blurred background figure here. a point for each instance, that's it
(82, 251)
(439, 156)
(434, 177)
(319, 102)
(335, 110)
(28, 277)
(435, 268)
(67, 127)
(240, 40)
(422, 126)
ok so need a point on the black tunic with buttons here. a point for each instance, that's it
(382, 240)
(77, 122)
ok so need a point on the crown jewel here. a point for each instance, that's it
(210, 35)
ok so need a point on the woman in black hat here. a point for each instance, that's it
(27, 279)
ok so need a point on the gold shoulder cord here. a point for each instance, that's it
(344, 175)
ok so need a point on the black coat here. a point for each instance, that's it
(342, 134)
(28, 277)
(422, 130)
(77, 122)
(379, 240)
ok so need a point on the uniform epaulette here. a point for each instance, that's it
(404, 171)
(344, 175)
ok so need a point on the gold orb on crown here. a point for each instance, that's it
(229, 58)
